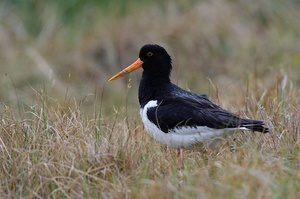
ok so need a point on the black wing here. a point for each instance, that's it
(196, 110)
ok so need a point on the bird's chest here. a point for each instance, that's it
(150, 127)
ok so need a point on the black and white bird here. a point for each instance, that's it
(176, 117)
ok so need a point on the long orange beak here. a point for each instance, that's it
(135, 65)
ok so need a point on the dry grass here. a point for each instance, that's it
(66, 133)
(58, 152)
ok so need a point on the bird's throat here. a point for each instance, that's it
(150, 86)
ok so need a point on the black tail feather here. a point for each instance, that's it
(254, 125)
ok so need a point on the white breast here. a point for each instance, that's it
(182, 136)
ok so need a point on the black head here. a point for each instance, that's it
(155, 59)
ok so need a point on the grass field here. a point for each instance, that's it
(65, 132)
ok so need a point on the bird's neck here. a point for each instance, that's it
(151, 86)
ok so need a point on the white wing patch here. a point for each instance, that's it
(181, 136)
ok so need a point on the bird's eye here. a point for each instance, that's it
(149, 54)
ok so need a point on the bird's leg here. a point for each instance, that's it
(179, 151)
(180, 160)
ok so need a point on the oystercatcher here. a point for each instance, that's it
(176, 117)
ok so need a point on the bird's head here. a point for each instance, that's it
(153, 58)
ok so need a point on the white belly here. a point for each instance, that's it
(182, 136)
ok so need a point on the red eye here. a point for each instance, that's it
(149, 54)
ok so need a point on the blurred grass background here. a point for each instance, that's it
(63, 132)
(69, 49)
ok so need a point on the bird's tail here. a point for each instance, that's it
(254, 125)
